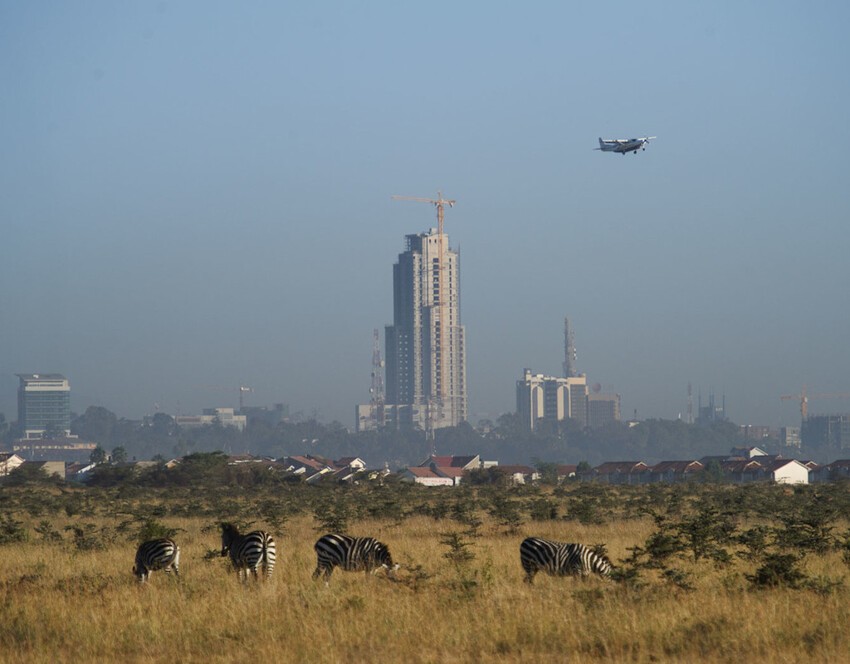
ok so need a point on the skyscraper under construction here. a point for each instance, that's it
(425, 345)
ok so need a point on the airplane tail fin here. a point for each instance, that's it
(600, 142)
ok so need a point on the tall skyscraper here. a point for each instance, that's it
(425, 345)
(44, 405)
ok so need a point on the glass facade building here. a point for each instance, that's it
(44, 405)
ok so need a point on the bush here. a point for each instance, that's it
(778, 569)
(11, 530)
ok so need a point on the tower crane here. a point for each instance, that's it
(440, 203)
(803, 398)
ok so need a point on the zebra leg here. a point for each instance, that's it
(176, 563)
(323, 571)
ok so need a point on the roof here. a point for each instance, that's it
(419, 471)
(776, 464)
(449, 461)
(741, 466)
(305, 461)
(448, 471)
(677, 466)
(41, 376)
(611, 467)
(514, 470)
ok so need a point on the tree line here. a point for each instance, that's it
(505, 440)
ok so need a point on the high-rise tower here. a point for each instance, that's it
(425, 345)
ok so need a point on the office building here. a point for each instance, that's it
(602, 409)
(226, 417)
(425, 345)
(551, 399)
(44, 405)
(826, 431)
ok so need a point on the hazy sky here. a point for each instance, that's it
(196, 195)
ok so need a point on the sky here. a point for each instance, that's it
(196, 196)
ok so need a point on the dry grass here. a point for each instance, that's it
(63, 605)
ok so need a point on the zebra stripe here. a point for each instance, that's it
(560, 559)
(351, 554)
(248, 552)
(154, 555)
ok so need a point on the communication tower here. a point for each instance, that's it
(569, 351)
(377, 389)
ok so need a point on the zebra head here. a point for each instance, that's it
(383, 557)
(229, 533)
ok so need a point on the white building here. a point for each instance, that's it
(8, 463)
(788, 471)
(225, 416)
(540, 397)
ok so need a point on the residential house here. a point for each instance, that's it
(8, 462)
(308, 467)
(675, 471)
(520, 474)
(463, 462)
(837, 470)
(787, 471)
(347, 468)
(747, 452)
(621, 472)
(566, 472)
(50, 468)
(740, 471)
(425, 477)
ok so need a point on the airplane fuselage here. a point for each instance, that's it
(623, 145)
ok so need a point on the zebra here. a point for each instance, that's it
(351, 554)
(156, 554)
(248, 552)
(560, 559)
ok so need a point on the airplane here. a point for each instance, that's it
(624, 145)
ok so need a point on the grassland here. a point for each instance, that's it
(68, 595)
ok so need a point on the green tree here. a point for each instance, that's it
(548, 471)
(98, 455)
(96, 424)
(119, 455)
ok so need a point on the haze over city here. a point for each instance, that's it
(196, 196)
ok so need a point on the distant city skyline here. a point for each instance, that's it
(197, 197)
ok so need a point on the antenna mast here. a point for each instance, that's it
(377, 389)
(569, 350)
(690, 404)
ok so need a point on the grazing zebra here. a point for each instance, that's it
(351, 553)
(248, 552)
(156, 554)
(560, 559)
